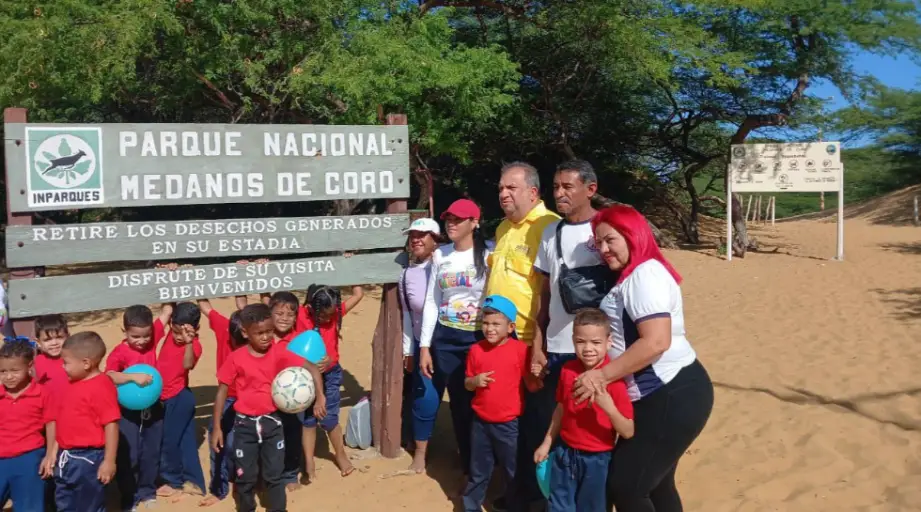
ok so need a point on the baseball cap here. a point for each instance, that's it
(424, 225)
(463, 209)
(502, 305)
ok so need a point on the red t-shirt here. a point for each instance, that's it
(283, 341)
(169, 364)
(585, 426)
(503, 399)
(253, 376)
(24, 417)
(221, 327)
(91, 405)
(124, 355)
(49, 372)
(329, 331)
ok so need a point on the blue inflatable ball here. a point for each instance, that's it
(137, 398)
(308, 345)
(543, 477)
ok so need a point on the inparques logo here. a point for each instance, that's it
(65, 166)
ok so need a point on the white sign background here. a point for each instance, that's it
(789, 167)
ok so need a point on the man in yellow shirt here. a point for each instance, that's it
(512, 275)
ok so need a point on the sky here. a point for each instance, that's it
(898, 72)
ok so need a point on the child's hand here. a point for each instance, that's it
(542, 452)
(106, 472)
(141, 379)
(319, 407)
(46, 469)
(217, 439)
(604, 401)
(482, 380)
(322, 364)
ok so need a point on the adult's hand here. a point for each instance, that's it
(587, 385)
(538, 362)
(425, 362)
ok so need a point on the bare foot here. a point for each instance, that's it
(418, 464)
(293, 486)
(166, 491)
(345, 465)
(194, 490)
(311, 477)
(208, 501)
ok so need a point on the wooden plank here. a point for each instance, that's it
(171, 240)
(21, 326)
(90, 292)
(73, 166)
(387, 358)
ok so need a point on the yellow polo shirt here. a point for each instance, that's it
(511, 266)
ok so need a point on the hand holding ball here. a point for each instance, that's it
(293, 390)
(137, 398)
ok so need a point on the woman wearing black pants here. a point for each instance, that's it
(671, 391)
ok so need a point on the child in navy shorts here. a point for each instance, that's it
(323, 311)
(229, 336)
(27, 427)
(259, 444)
(140, 432)
(496, 371)
(587, 431)
(86, 429)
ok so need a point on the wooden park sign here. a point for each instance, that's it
(78, 166)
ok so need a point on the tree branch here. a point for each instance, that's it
(507, 10)
(225, 101)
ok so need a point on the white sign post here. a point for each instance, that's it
(787, 167)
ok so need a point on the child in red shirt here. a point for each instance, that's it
(496, 369)
(229, 336)
(180, 467)
(588, 431)
(141, 432)
(258, 431)
(26, 428)
(86, 428)
(323, 310)
(51, 331)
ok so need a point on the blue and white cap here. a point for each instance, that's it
(502, 305)
(424, 225)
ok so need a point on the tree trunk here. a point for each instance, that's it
(692, 227)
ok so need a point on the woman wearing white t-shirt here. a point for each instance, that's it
(671, 391)
(449, 321)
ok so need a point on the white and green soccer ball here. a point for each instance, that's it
(293, 390)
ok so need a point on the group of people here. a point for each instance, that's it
(561, 343)
(563, 340)
(66, 437)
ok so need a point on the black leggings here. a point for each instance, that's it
(642, 473)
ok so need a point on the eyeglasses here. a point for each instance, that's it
(19, 339)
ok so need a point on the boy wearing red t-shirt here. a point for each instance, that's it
(140, 432)
(26, 428)
(86, 429)
(496, 369)
(51, 331)
(588, 431)
(180, 467)
(323, 311)
(229, 336)
(259, 437)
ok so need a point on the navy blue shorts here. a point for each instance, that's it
(332, 382)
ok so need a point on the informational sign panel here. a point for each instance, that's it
(787, 167)
(57, 166)
(59, 244)
(91, 292)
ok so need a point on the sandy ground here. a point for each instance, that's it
(817, 405)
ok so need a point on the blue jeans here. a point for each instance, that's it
(140, 436)
(20, 481)
(222, 467)
(449, 356)
(491, 444)
(578, 479)
(76, 485)
(425, 403)
(179, 454)
(332, 387)
(538, 411)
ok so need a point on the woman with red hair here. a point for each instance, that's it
(671, 392)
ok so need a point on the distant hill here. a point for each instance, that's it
(868, 172)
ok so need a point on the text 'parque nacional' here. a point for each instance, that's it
(112, 165)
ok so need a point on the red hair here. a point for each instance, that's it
(632, 225)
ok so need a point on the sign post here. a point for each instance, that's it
(787, 167)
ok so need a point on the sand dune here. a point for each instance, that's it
(818, 401)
